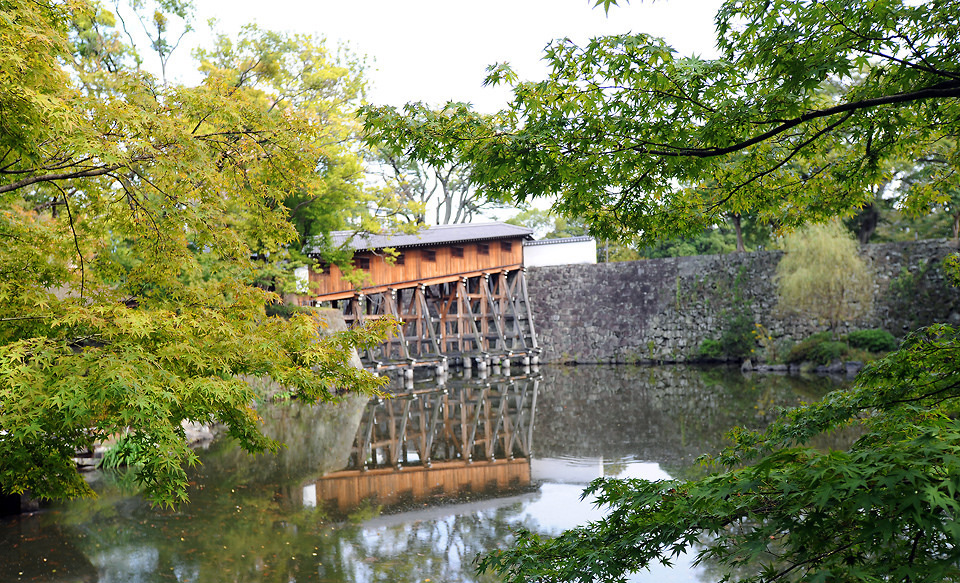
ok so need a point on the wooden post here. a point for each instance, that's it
(392, 308)
(475, 423)
(526, 303)
(432, 334)
(471, 318)
(498, 420)
(495, 314)
(401, 436)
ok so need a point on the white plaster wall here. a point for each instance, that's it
(560, 253)
(302, 276)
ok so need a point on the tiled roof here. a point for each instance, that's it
(579, 239)
(434, 235)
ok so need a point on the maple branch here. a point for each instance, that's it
(780, 164)
(76, 243)
(46, 205)
(938, 91)
(51, 178)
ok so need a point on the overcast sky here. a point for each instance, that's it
(438, 50)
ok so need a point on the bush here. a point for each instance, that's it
(820, 348)
(120, 453)
(710, 350)
(738, 340)
(873, 340)
(827, 352)
(801, 351)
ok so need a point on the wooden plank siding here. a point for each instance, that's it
(346, 490)
(420, 265)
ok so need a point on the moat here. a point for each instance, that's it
(478, 458)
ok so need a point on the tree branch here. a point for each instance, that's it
(779, 164)
(938, 91)
(76, 243)
(51, 178)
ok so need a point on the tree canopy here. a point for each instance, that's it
(793, 122)
(136, 217)
(441, 195)
(810, 108)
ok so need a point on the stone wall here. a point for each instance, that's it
(661, 309)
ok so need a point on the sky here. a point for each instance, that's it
(437, 50)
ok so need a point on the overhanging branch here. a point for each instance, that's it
(56, 177)
(938, 91)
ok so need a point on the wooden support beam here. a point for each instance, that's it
(365, 448)
(434, 336)
(516, 423)
(495, 433)
(495, 314)
(402, 432)
(475, 423)
(439, 405)
(470, 319)
(526, 303)
(531, 418)
(392, 308)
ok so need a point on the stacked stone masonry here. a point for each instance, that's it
(660, 310)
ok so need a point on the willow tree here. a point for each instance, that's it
(645, 143)
(130, 214)
(822, 275)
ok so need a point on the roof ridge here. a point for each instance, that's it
(430, 235)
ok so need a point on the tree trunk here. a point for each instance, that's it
(736, 227)
(867, 222)
(956, 230)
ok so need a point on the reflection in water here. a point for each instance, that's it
(406, 489)
(667, 415)
(31, 550)
(443, 442)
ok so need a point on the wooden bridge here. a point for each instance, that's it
(439, 442)
(457, 291)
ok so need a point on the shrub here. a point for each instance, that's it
(827, 352)
(820, 348)
(709, 350)
(120, 453)
(772, 349)
(738, 340)
(873, 340)
(801, 350)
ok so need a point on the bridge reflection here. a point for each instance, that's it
(469, 437)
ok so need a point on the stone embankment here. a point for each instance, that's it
(660, 310)
(848, 369)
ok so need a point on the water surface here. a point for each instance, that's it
(408, 489)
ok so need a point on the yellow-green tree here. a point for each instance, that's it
(133, 214)
(822, 275)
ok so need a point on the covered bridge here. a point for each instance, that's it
(458, 290)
